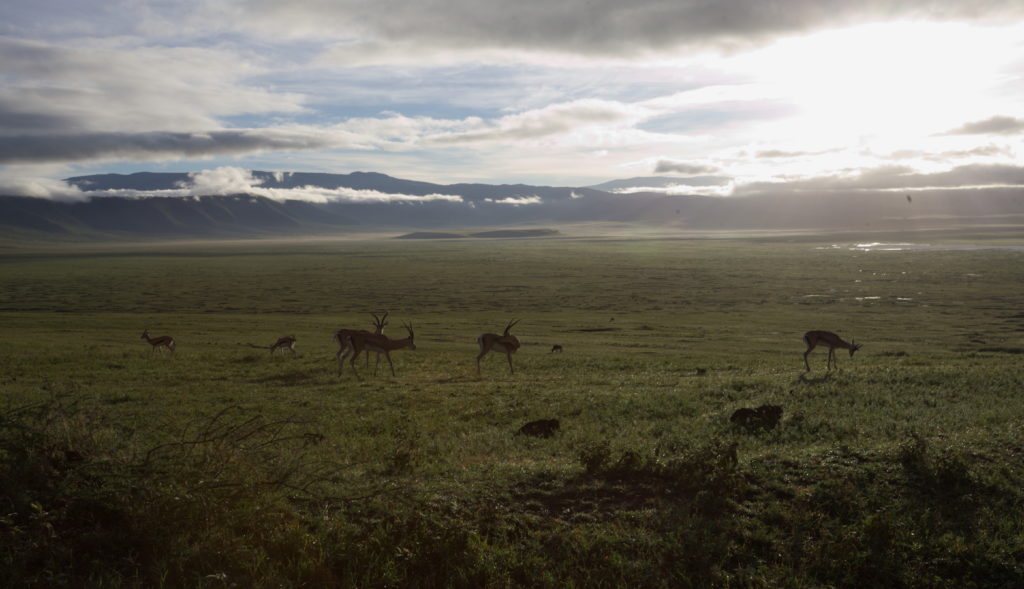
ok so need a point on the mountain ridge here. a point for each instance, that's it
(149, 214)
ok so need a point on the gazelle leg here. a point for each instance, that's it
(341, 355)
(508, 355)
(352, 360)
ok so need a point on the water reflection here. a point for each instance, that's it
(898, 247)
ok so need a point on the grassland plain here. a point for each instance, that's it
(221, 465)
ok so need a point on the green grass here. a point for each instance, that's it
(222, 465)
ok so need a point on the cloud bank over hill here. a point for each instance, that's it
(279, 186)
(220, 182)
(230, 202)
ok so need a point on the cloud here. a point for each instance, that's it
(694, 185)
(982, 151)
(587, 27)
(97, 103)
(150, 146)
(35, 187)
(782, 153)
(222, 181)
(389, 132)
(231, 180)
(998, 125)
(225, 180)
(556, 119)
(674, 167)
(51, 88)
(893, 178)
(516, 201)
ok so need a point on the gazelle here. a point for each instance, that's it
(371, 342)
(833, 341)
(287, 343)
(344, 344)
(505, 343)
(164, 341)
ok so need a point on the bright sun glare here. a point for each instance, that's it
(890, 81)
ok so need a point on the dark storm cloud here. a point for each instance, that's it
(18, 121)
(155, 145)
(596, 27)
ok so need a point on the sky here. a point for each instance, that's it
(721, 98)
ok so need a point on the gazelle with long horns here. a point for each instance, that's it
(163, 341)
(505, 343)
(814, 339)
(344, 344)
(359, 342)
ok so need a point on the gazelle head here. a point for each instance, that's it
(853, 347)
(145, 334)
(412, 336)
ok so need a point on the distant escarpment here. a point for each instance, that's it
(496, 234)
(154, 206)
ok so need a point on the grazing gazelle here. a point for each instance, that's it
(344, 344)
(505, 343)
(286, 343)
(359, 342)
(833, 341)
(164, 341)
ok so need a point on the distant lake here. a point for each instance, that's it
(897, 247)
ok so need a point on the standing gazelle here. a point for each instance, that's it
(164, 341)
(345, 344)
(359, 342)
(833, 341)
(285, 343)
(505, 343)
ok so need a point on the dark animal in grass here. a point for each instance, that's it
(555, 348)
(541, 428)
(763, 417)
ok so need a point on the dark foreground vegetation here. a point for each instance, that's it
(222, 465)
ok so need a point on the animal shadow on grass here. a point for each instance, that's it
(703, 479)
(765, 417)
(291, 377)
(816, 380)
(541, 428)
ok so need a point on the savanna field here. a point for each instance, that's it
(221, 465)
